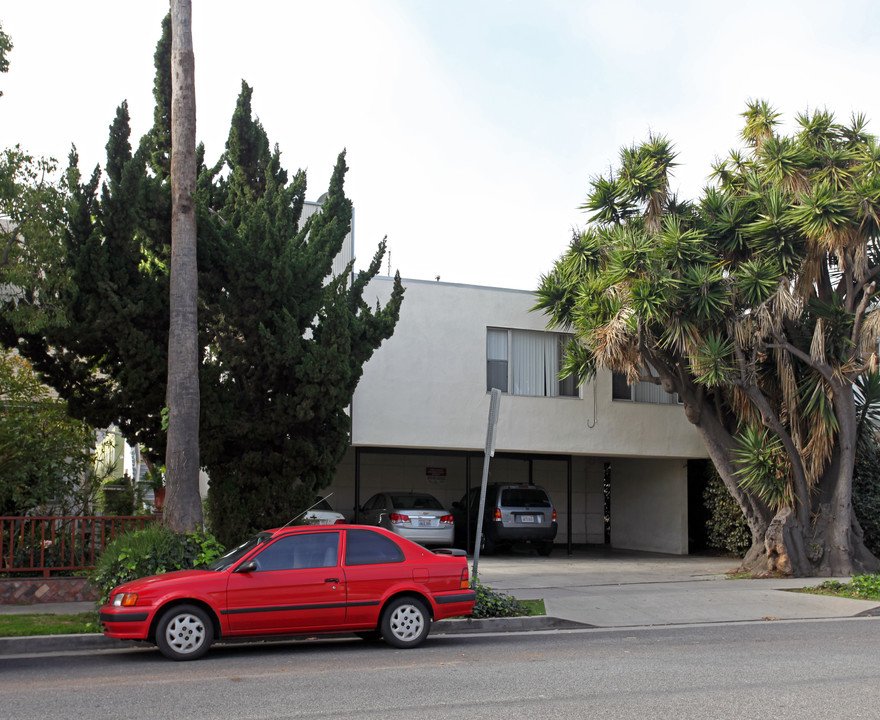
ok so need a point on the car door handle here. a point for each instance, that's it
(333, 580)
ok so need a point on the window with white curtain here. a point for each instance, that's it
(527, 362)
(644, 392)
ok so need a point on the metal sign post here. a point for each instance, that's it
(494, 403)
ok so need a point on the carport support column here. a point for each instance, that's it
(569, 500)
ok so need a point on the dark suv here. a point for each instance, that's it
(514, 513)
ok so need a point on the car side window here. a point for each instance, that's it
(366, 547)
(300, 551)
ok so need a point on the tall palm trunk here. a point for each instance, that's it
(183, 510)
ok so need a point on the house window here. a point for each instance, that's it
(643, 392)
(527, 362)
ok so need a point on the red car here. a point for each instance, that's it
(297, 580)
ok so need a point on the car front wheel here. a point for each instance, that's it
(185, 632)
(405, 622)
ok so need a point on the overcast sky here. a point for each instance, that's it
(472, 126)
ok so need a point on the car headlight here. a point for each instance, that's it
(125, 599)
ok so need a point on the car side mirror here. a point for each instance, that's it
(249, 566)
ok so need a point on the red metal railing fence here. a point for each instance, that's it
(59, 544)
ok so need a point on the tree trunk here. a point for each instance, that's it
(183, 509)
(831, 545)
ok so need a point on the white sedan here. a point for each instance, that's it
(322, 514)
(413, 515)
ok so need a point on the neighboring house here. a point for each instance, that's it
(614, 458)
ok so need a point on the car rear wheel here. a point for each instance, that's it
(405, 622)
(545, 548)
(185, 632)
(487, 544)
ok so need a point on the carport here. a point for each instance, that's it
(521, 468)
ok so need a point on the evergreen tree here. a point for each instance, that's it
(282, 340)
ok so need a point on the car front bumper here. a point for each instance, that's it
(126, 623)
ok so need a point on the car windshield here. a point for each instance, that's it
(415, 502)
(234, 555)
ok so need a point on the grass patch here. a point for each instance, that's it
(48, 624)
(534, 607)
(862, 587)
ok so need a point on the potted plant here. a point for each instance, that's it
(156, 480)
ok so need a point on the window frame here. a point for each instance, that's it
(566, 388)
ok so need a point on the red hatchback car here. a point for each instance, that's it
(297, 580)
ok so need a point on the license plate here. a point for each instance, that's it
(527, 518)
(424, 522)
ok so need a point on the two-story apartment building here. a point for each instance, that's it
(614, 458)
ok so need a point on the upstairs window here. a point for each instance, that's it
(643, 392)
(527, 362)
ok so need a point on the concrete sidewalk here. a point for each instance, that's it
(594, 587)
(607, 588)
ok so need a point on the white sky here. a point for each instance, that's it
(472, 126)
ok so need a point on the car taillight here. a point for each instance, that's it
(465, 580)
(341, 521)
(554, 514)
(447, 520)
(497, 516)
(397, 518)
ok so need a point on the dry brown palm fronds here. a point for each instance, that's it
(613, 342)
(788, 383)
(817, 346)
(785, 303)
(869, 335)
(811, 271)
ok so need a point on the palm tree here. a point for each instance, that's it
(183, 505)
(756, 305)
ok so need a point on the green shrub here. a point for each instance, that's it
(119, 496)
(866, 587)
(493, 603)
(726, 527)
(151, 551)
(866, 494)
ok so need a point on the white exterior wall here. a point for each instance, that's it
(425, 387)
(649, 505)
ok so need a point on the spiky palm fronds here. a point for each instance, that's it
(712, 361)
(706, 293)
(610, 200)
(756, 280)
(761, 119)
(764, 469)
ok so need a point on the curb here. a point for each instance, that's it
(86, 642)
(513, 624)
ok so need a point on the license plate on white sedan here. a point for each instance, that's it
(424, 522)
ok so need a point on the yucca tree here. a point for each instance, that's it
(756, 304)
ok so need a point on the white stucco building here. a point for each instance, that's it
(615, 459)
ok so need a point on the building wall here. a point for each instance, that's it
(649, 505)
(420, 413)
(426, 387)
